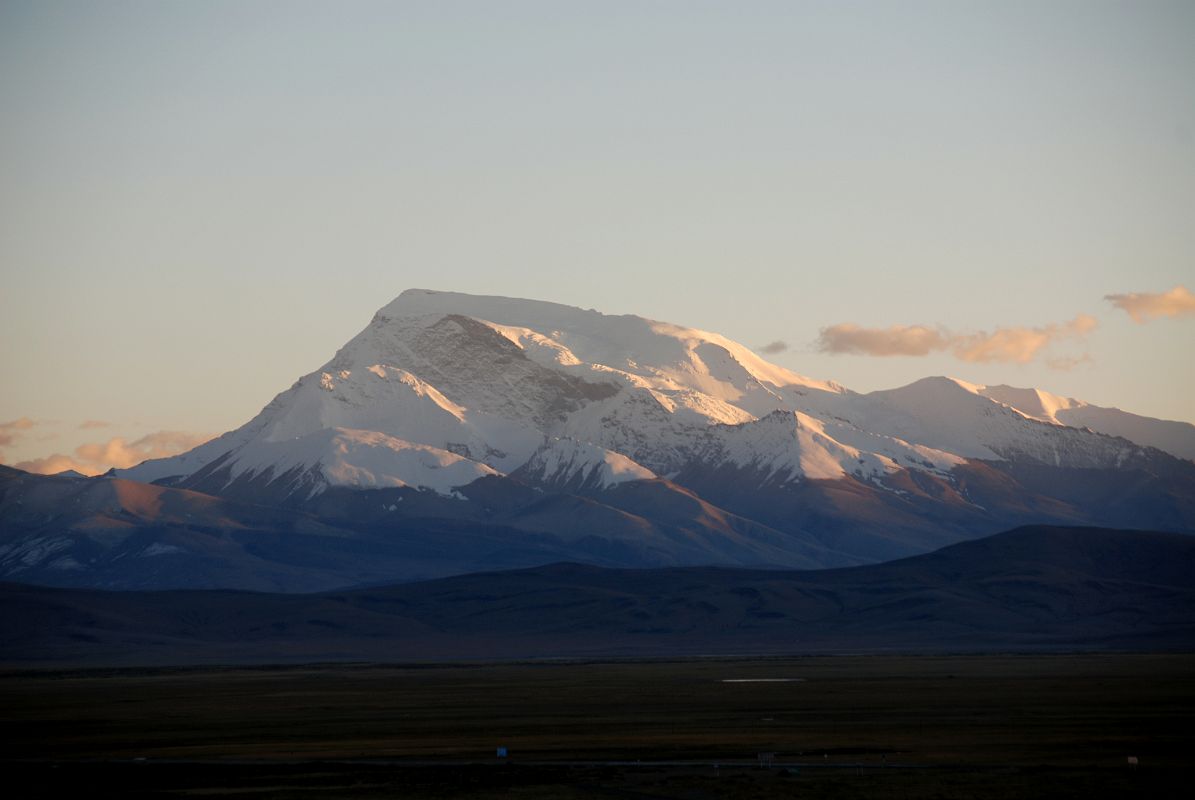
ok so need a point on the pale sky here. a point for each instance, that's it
(201, 201)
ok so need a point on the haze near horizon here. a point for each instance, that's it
(201, 203)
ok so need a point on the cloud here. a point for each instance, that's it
(1146, 306)
(10, 431)
(98, 457)
(1018, 345)
(1067, 363)
(899, 340)
(89, 424)
(54, 464)
(772, 348)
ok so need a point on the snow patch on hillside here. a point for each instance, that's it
(789, 446)
(566, 461)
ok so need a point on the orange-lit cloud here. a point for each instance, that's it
(89, 424)
(1067, 363)
(9, 431)
(899, 340)
(97, 458)
(54, 464)
(1146, 306)
(1007, 345)
(1019, 345)
(772, 348)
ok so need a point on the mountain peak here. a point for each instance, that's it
(627, 343)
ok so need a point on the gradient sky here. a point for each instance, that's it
(201, 201)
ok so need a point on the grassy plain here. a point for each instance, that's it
(844, 726)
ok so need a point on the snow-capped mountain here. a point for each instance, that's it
(492, 380)
(523, 431)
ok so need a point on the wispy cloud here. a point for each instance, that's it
(1146, 306)
(54, 464)
(898, 340)
(10, 431)
(772, 348)
(1019, 345)
(1067, 363)
(98, 457)
(1007, 345)
(90, 424)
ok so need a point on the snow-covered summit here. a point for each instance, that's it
(1176, 438)
(957, 417)
(665, 356)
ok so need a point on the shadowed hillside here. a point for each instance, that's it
(1029, 589)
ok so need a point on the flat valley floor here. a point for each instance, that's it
(992, 726)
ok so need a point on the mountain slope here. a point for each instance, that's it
(118, 534)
